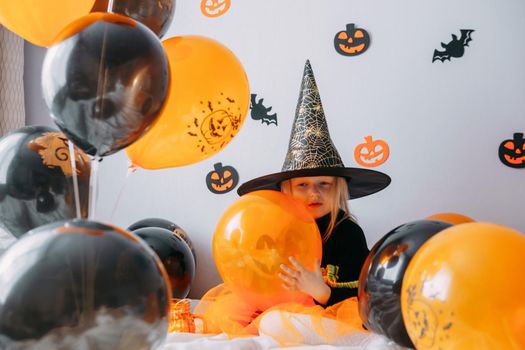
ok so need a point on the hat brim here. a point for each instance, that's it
(361, 182)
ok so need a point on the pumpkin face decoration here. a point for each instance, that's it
(512, 152)
(265, 249)
(222, 179)
(371, 153)
(214, 8)
(352, 41)
(217, 127)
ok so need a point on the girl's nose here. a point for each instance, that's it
(314, 192)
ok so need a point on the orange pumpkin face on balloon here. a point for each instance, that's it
(216, 127)
(214, 8)
(371, 153)
(255, 236)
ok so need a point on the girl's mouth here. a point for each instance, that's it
(314, 205)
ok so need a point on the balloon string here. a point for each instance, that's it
(131, 169)
(93, 187)
(72, 158)
(102, 77)
(110, 6)
(330, 276)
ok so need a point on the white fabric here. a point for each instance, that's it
(271, 324)
(188, 341)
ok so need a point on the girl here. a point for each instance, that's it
(313, 173)
(344, 244)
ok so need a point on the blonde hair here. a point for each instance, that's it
(339, 201)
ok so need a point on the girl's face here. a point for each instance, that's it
(315, 192)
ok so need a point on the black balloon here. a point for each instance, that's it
(36, 179)
(157, 15)
(81, 284)
(379, 293)
(175, 256)
(106, 83)
(168, 225)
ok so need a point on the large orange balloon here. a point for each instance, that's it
(254, 236)
(465, 289)
(40, 21)
(206, 105)
(451, 218)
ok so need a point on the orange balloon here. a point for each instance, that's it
(451, 218)
(40, 21)
(464, 289)
(206, 106)
(257, 234)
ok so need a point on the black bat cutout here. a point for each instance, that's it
(260, 112)
(455, 48)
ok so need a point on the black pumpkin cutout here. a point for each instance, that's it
(352, 41)
(222, 179)
(512, 152)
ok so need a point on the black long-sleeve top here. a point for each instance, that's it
(345, 248)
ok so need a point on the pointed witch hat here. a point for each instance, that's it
(312, 153)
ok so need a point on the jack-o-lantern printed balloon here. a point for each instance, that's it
(215, 8)
(175, 255)
(40, 21)
(36, 179)
(451, 218)
(257, 234)
(168, 225)
(352, 41)
(464, 289)
(382, 275)
(512, 152)
(371, 153)
(104, 81)
(206, 106)
(80, 284)
(222, 179)
(157, 15)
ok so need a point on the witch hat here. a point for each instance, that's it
(311, 151)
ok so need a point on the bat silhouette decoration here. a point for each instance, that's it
(455, 48)
(260, 112)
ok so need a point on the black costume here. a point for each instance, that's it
(345, 248)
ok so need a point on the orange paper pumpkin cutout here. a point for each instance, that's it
(371, 153)
(214, 8)
(464, 289)
(254, 236)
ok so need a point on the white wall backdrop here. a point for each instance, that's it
(443, 121)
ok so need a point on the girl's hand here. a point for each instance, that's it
(297, 277)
